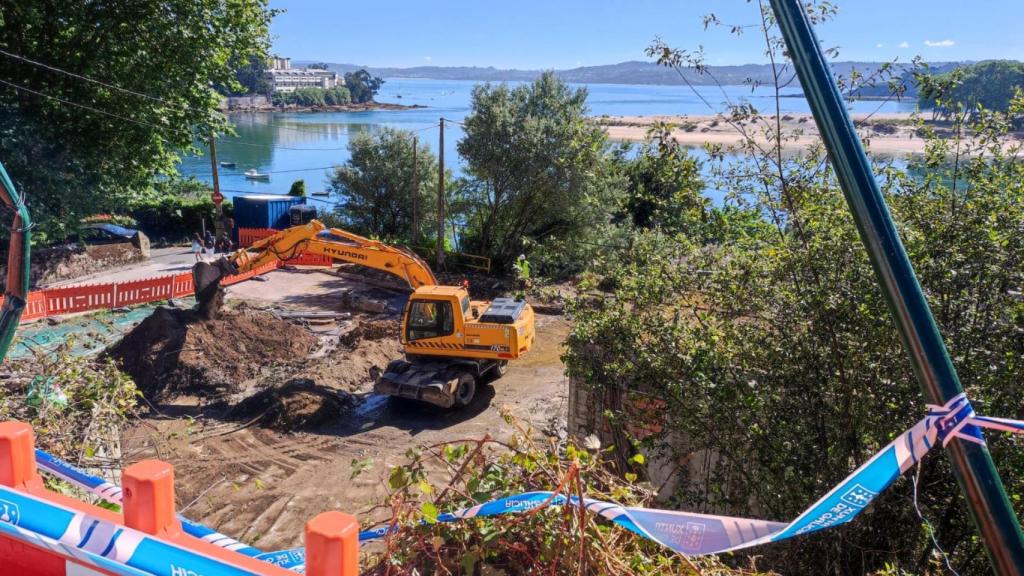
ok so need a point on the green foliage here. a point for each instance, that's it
(537, 170)
(176, 210)
(362, 86)
(251, 77)
(298, 188)
(547, 540)
(314, 97)
(100, 398)
(377, 184)
(70, 162)
(989, 85)
(116, 219)
(774, 349)
(664, 185)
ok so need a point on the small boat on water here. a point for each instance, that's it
(228, 164)
(320, 193)
(254, 175)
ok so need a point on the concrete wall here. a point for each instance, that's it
(247, 102)
(668, 465)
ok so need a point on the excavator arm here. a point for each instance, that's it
(312, 238)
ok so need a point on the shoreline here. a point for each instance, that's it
(893, 133)
(364, 107)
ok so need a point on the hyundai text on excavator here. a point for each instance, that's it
(451, 342)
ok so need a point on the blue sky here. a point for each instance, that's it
(535, 34)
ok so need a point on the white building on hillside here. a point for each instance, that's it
(284, 78)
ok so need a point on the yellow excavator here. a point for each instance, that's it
(451, 342)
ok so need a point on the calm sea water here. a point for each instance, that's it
(304, 145)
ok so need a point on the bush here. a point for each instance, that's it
(781, 330)
(558, 541)
(298, 188)
(176, 211)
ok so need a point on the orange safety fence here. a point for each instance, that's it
(246, 236)
(86, 297)
(79, 298)
(142, 291)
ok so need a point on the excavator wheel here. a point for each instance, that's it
(465, 390)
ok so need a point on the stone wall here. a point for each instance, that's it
(669, 464)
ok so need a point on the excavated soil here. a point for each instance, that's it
(369, 330)
(299, 404)
(176, 351)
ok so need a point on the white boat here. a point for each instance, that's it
(254, 175)
(320, 193)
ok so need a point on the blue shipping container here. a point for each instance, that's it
(264, 210)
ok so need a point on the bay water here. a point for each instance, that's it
(291, 146)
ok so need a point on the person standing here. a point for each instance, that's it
(197, 246)
(211, 240)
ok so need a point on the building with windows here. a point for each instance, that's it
(284, 78)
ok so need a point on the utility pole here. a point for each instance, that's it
(972, 464)
(440, 197)
(415, 195)
(218, 198)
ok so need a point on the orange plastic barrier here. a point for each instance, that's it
(79, 298)
(246, 236)
(86, 297)
(48, 534)
(142, 291)
(182, 285)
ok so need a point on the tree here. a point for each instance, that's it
(318, 66)
(96, 147)
(298, 188)
(377, 184)
(987, 85)
(664, 183)
(252, 77)
(362, 86)
(772, 354)
(537, 170)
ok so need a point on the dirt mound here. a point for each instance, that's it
(175, 351)
(298, 404)
(369, 330)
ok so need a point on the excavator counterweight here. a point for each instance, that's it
(451, 342)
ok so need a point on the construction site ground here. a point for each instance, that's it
(260, 478)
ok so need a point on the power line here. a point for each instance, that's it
(148, 124)
(100, 82)
(142, 94)
(270, 172)
(234, 140)
(84, 107)
(278, 147)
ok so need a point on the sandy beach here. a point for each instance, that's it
(890, 133)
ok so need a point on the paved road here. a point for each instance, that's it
(162, 262)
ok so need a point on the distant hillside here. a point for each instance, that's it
(632, 72)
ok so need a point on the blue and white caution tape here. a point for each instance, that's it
(692, 534)
(94, 541)
(697, 534)
(112, 493)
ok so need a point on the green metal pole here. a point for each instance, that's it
(17, 264)
(972, 464)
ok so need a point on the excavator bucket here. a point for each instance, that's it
(206, 277)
